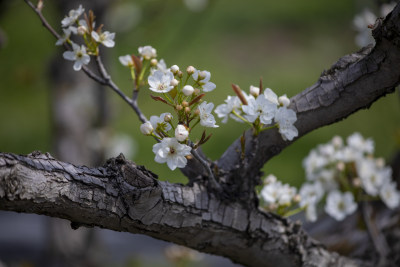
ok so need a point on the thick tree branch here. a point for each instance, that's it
(354, 82)
(124, 197)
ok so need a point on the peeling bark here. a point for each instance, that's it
(136, 202)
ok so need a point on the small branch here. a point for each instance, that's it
(213, 181)
(377, 238)
(44, 21)
(114, 87)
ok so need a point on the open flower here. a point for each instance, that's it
(340, 205)
(147, 52)
(78, 55)
(126, 60)
(206, 118)
(203, 79)
(285, 119)
(389, 195)
(106, 38)
(170, 151)
(72, 17)
(260, 107)
(161, 82)
(159, 123)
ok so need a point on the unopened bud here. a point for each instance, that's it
(174, 69)
(185, 104)
(284, 101)
(179, 107)
(356, 182)
(197, 112)
(81, 30)
(181, 133)
(380, 162)
(174, 82)
(190, 70)
(188, 90)
(179, 74)
(337, 141)
(153, 62)
(254, 91)
(297, 198)
(167, 117)
(340, 166)
(197, 91)
(187, 110)
(146, 128)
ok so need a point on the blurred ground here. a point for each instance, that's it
(288, 43)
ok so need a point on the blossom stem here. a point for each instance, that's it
(270, 127)
(240, 117)
(293, 212)
(203, 162)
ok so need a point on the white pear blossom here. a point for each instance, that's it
(372, 177)
(106, 38)
(310, 195)
(259, 107)
(160, 124)
(358, 143)
(78, 55)
(206, 118)
(181, 133)
(203, 79)
(72, 17)
(271, 96)
(225, 110)
(174, 69)
(390, 195)
(276, 193)
(339, 205)
(126, 60)
(66, 35)
(285, 119)
(146, 128)
(170, 151)
(147, 52)
(161, 82)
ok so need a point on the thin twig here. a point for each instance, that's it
(114, 87)
(203, 162)
(377, 238)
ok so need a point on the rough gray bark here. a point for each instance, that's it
(124, 197)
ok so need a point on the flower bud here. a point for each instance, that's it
(181, 133)
(337, 141)
(202, 75)
(380, 162)
(284, 101)
(340, 166)
(180, 74)
(174, 82)
(297, 198)
(187, 110)
(174, 69)
(254, 91)
(185, 104)
(146, 128)
(356, 182)
(197, 91)
(81, 30)
(167, 117)
(197, 112)
(190, 70)
(188, 90)
(153, 62)
(179, 107)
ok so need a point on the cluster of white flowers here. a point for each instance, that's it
(346, 174)
(278, 197)
(260, 110)
(184, 92)
(341, 174)
(80, 54)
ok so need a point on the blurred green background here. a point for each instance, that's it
(288, 43)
